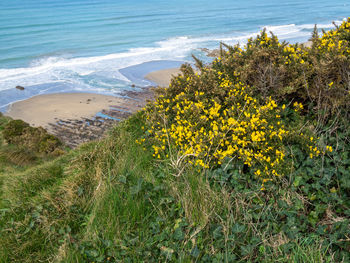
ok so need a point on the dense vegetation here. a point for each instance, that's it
(22, 146)
(247, 161)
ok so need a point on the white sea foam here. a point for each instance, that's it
(78, 70)
(55, 68)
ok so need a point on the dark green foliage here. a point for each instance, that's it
(23, 146)
(19, 133)
(13, 130)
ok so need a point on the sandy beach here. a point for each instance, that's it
(50, 108)
(162, 77)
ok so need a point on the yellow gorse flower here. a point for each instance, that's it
(332, 41)
(298, 106)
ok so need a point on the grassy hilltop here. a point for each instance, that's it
(247, 161)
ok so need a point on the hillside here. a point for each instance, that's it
(247, 161)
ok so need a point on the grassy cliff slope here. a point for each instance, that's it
(248, 161)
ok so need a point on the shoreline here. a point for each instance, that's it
(73, 104)
(43, 109)
(128, 79)
(78, 117)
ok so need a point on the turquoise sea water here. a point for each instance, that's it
(87, 46)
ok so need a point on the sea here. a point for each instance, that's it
(108, 46)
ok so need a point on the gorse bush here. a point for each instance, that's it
(272, 68)
(248, 104)
(231, 126)
(329, 84)
(317, 76)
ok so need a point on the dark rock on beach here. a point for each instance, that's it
(19, 87)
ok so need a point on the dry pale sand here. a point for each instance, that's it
(163, 77)
(50, 108)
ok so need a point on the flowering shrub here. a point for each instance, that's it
(273, 68)
(318, 76)
(229, 127)
(234, 112)
(337, 40)
(329, 85)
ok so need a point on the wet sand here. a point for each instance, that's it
(162, 77)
